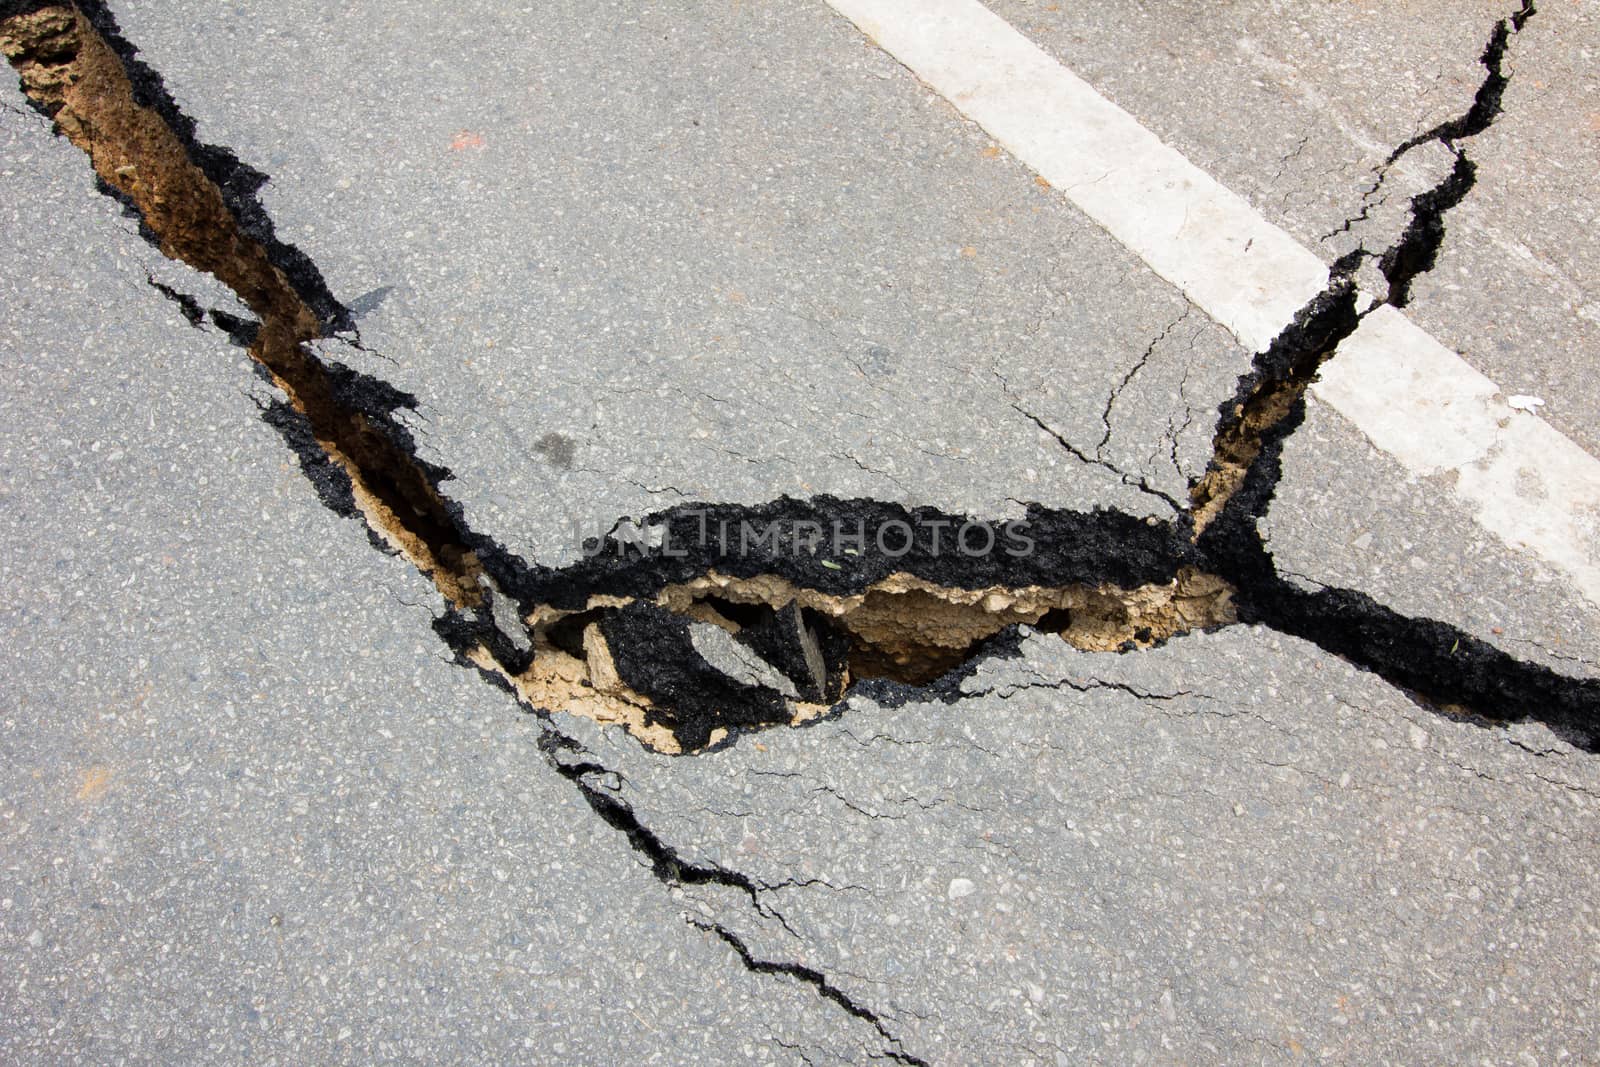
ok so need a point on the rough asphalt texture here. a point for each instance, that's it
(1094, 858)
(1347, 515)
(252, 812)
(801, 276)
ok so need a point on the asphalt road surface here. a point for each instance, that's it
(799, 531)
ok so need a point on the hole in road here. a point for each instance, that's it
(613, 641)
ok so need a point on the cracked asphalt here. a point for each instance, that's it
(723, 253)
(1317, 97)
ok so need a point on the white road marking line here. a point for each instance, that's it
(1526, 482)
(1245, 272)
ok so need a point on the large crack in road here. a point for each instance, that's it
(708, 620)
(1272, 391)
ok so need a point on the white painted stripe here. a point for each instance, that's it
(1243, 271)
(1526, 483)
(1414, 397)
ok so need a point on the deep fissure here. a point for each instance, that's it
(1280, 375)
(71, 73)
(1102, 580)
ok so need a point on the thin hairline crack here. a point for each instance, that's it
(575, 763)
